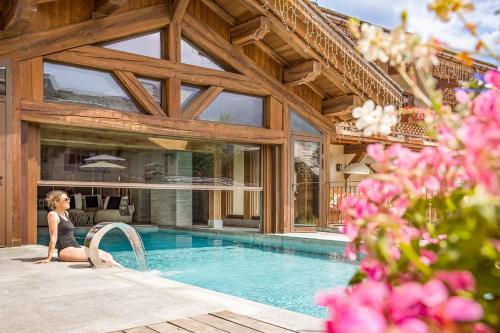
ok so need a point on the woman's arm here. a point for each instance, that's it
(52, 221)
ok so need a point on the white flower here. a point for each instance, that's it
(396, 47)
(373, 43)
(373, 119)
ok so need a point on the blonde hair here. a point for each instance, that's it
(53, 197)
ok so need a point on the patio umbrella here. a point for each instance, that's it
(103, 166)
(103, 157)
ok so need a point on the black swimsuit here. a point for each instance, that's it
(65, 234)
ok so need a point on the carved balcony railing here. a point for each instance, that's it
(406, 133)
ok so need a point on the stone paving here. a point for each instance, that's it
(71, 297)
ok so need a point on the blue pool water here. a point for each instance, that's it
(282, 277)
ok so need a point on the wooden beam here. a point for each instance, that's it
(99, 57)
(212, 42)
(299, 45)
(41, 2)
(250, 32)
(88, 117)
(139, 93)
(355, 148)
(16, 18)
(340, 105)
(89, 32)
(272, 53)
(317, 90)
(178, 10)
(215, 7)
(108, 7)
(302, 73)
(200, 103)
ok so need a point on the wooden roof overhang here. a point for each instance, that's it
(449, 68)
(314, 55)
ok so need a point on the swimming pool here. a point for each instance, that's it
(264, 269)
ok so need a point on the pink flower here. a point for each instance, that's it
(427, 257)
(411, 325)
(359, 319)
(462, 96)
(481, 328)
(462, 309)
(376, 151)
(457, 280)
(493, 78)
(405, 302)
(374, 269)
(434, 293)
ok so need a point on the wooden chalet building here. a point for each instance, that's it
(183, 113)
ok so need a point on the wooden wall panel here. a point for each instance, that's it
(3, 160)
(308, 95)
(137, 4)
(56, 14)
(200, 11)
(265, 61)
(13, 169)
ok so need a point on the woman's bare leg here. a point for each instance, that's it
(77, 254)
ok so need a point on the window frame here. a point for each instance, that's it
(163, 41)
(117, 81)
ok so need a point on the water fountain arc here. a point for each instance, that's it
(97, 232)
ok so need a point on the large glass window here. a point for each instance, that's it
(149, 45)
(192, 55)
(153, 87)
(300, 125)
(147, 160)
(188, 93)
(139, 179)
(234, 108)
(64, 83)
(3, 78)
(306, 182)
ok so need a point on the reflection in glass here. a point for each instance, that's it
(193, 56)
(300, 125)
(157, 161)
(238, 109)
(63, 83)
(188, 93)
(153, 87)
(3, 77)
(149, 45)
(306, 182)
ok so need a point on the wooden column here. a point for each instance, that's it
(173, 85)
(13, 173)
(3, 166)
(276, 199)
(325, 186)
(30, 142)
(215, 197)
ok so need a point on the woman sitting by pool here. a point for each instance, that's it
(61, 231)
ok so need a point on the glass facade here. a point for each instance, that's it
(70, 84)
(167, 181)
(235, 108)
(192, 55)
(153, 87)
(300, 125)
(188, 93)
(163, 161)
(306, 181)
(3, 80)
(149, 45)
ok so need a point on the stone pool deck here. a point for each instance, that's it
(70, 297)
